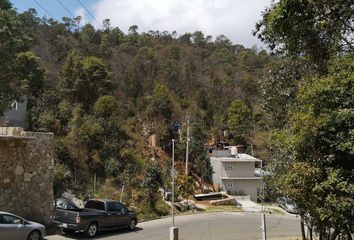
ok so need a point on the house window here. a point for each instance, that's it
(229, 167)
(230, 185)
(13, 106)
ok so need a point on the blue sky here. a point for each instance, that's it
(233, 18)
(52, 6)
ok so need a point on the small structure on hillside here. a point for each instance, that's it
(14, 115)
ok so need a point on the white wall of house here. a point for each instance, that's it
(236, 175)
(237, 169)
(242, 187)
(216, 165)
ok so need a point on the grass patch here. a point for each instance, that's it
(161, 209)
(143, 216)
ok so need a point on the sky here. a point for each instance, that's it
(233, 18)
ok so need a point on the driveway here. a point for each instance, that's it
(247, 204)
(206, 226)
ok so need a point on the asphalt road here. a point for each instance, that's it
(206, 226)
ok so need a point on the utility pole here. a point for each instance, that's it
(173, 182)
(121, 193)
(264, 227)
(94, 183)
(188, 139)
(75, 175)
(173, 229)
(263, 218)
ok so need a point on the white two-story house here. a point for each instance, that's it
(236, 173)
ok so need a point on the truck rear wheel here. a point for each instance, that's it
(91, 230)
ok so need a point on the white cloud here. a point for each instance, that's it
(233, 18)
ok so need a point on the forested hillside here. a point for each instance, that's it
(101, 92)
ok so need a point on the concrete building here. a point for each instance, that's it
(236, 173)
(14, 115)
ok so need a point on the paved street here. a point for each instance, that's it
(206, 226)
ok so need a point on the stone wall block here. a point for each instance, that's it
(26, 174)
(19, 170)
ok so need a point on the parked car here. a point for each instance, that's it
(15, 227)
(97, 215)
(288, 205)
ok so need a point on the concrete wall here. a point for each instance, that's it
(237, 169)
(242, 187)
(221, 153)
(27, 173)
(216, 165)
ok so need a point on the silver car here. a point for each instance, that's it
(15, 227)
(288, 205)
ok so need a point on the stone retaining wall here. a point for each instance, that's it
(27, 174)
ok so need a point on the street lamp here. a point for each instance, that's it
(187, 153)
(263, 218)
(173, 229)
(173, 182)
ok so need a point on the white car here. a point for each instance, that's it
(15, 227)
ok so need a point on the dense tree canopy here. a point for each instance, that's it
(84, 79)
(320, 140)
(312, 146)
(239, 117)
(15, 39)
(314, 29)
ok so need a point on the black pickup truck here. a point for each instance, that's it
(97, 215)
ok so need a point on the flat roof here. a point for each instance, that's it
(241, 157)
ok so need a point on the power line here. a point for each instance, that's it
(44, 9)
(88, 11)
(65, 8)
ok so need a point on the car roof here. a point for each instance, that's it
(1, 212)
(103, 200)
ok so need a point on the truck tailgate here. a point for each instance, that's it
(65, 216)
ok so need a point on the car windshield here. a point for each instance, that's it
(290, 202)
(9, 219)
